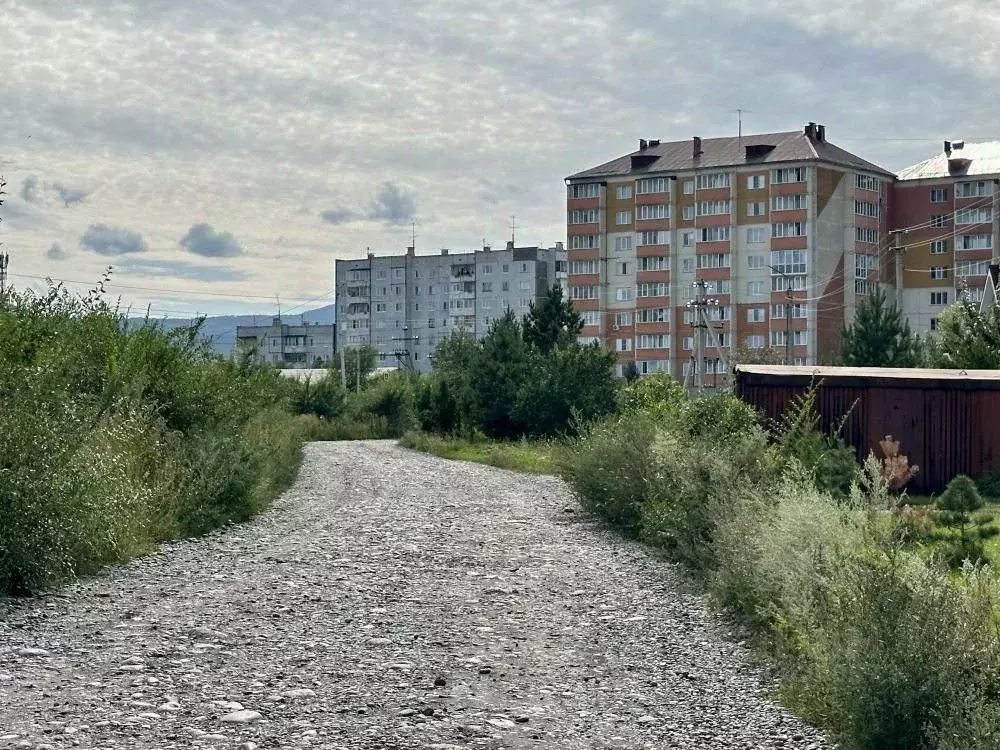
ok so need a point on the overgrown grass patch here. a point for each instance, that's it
(528, 456)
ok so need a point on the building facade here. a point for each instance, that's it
(295, 346)
(404, 305)
(946, 214)
(786, 230)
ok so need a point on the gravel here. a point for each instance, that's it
(388, 600)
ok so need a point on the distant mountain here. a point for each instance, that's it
(220, 330)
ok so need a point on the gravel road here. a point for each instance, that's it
(388, 600)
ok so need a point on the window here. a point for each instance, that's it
(755, 288)
(653, 289)
(576, 242)
(687, 239)
(939, 272)
(652, 315)
(867, 182)
(623, 192)
(713, 234)
(399, 306)
(652, 238)
(688, 187)
(866, 208)
(524, 285)
(797, 309)
(591, 317)
(688, 213)
(974, 216)
(755, 315)
(588, 190)
(594, 236)
(713, 260)
(380, 307)
(487, 286)
(719, 339)
(756, 182)
(621, 268)
(380, 273)
(788, 262)
(755, 236)
(973, 189)
(799, 338)
(623, 217)
(652, 185)
(939, 298)
(789, 229)
(713, 208)
(756, 208)
(430, 290)
(583, 216)
(722, 286)
(623, 319)
(654, 341)
(711, 180)
(865, 234)
(938, 220)
(786, 283)
(687, 343)
(687, 265)
(430, 322)
(789, 202)
(623, 345)
(933, 324)
(487, 268)
(623, 244)
(863, 264)
(756, 341)
(524, 268)
(789, 174)
(653, 211)
(938, 247)
(582, 266)
(974, 242)
(583, 292)
(755, 261)
(624, 294)
(653, 263)
(972, 268)
(975, 294)
(939, 195)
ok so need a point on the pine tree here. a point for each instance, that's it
(879, 336)
(551, 322)
(958, 504)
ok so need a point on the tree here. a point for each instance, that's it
(499, 375)
(966, 339)
(957, 504)
(879, 336)
(365, 355)
(551, 322)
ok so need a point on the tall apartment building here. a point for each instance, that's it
(306, 345)
(946, 211)
(404, 305)
(770, 222)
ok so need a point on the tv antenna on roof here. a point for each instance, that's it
(739, 122)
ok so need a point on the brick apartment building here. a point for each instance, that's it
(767, 221)
(946, 211)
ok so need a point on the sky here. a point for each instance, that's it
(219, 155)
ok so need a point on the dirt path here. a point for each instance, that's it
(388, 600)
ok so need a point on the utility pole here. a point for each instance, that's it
(513, 228)
(897, 245)
(4, 263)
(358, 351)
(343, 369)
(788, 322)
(701, 324)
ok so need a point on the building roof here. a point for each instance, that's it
(983, 159)
(678, 156)
(890, 377)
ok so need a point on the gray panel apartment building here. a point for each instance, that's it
(404, 305)
(288, 345)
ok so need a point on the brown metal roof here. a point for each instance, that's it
(678, 156)
(872, 376)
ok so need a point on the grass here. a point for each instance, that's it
(527, 456)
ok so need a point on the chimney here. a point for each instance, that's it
(810, 130)
(510, 244)
(947, 148)
(697, 147)
(821, 133)
(410, 250)
(444, 251)
(642, 144)
(654, 142)
(559, 246)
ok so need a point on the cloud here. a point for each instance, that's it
(203, 240)
(56, 252)
(180, 269)
(29, 189)
(33, 191)
(393, 205)
(105, 240)
(339, 216)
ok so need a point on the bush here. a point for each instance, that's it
(989, 484)
(390, 398)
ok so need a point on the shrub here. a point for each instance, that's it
(659, 396)
(389, 397)
(958, 503)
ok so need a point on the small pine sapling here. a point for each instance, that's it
(958, 505)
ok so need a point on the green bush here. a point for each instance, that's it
(390, 398)
(989, 484)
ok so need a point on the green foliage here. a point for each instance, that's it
(967, 339)
(552, 323)
(325, 397)
(959, 501)
(391, 398)
(114, 438)
(879, 336)
(365, 355)
(989, 484)
(529, 456)
(658, 395)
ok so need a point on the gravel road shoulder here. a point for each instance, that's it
(388, 600)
